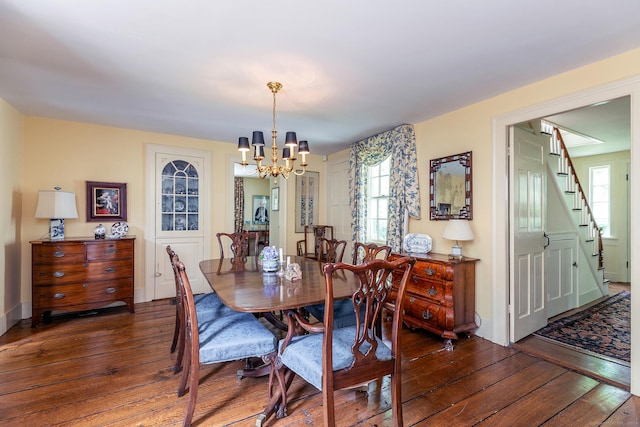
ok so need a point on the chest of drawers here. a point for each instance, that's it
(80, 274)
(440, 294)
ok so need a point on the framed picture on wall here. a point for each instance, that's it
(106, 201)
(306, 200)
(261, 209)
(275, 198)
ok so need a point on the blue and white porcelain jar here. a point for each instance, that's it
(269, 257)
(270, 265)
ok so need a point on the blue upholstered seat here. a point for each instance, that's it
(343, 313)
(303, 355)
(227, 335)
(208, 301)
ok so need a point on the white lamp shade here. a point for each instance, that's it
(56, 204)
(458, 229)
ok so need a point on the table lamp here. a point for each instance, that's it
(457, 229)
(56, 205)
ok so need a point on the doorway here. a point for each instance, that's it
(502, 256)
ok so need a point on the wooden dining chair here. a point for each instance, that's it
(239, 243)
(203, 302)
(222, 335)
(343, 314)
(331, 250)
(332, 359)
(363, 252)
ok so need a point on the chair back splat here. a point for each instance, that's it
(331, 250)
(336, 358)
(363, 252)
(239, 243)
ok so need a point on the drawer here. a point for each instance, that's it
(107, 270)
(425, 311)
(50, 274)
(58, 253)
(429, 270)
(82, 293)
(431, 289)
(109, 250)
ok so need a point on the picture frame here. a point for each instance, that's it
(260, 210)
(106, 201)
(275, 199)
(450, 187)
(306, 210)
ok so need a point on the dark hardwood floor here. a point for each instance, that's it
(113, 368)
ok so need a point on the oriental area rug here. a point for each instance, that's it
(603, 329)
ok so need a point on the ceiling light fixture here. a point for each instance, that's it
(288, 152)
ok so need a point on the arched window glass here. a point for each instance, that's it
(180, 203)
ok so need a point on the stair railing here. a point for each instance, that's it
(580, 203)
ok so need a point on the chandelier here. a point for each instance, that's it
(288, 152)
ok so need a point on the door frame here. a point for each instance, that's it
(502, 258)
(205, 202)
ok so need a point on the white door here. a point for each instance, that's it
(527, 294)
(561, 274)
(339, 214)
(178, 216)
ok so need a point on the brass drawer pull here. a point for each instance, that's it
(430, 271)
(432, 292)
(110, 269)
(415, 279)
(412, 300)
(426, 315)
(58, 254)
(110, 290)
(110, 252)
(58, 295)
(58, 274)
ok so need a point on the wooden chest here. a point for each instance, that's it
(80, 274)
(440, 294)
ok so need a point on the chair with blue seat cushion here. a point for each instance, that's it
(204, 302)
(343, 310)
(217, 336)
(332, 358)
(332, 250)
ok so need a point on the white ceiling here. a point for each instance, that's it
(350, 69)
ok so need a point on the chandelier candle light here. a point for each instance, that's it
(288, 152)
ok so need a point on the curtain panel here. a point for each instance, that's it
(404, 195)
(238, 195)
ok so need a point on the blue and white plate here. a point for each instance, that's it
(119, 229)
(417, 243)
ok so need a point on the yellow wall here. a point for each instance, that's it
(66, 154)
(11, 128)
(471, 129)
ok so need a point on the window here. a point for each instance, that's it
(378, 202)
(600, 197)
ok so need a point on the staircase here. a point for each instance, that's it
(590, 236)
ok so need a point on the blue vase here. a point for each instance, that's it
(270, 265)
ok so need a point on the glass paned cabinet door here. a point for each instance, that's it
(180, 196)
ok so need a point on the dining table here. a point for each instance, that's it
(242, 285)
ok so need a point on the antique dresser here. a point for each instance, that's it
(440, 295)
(81, 274)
